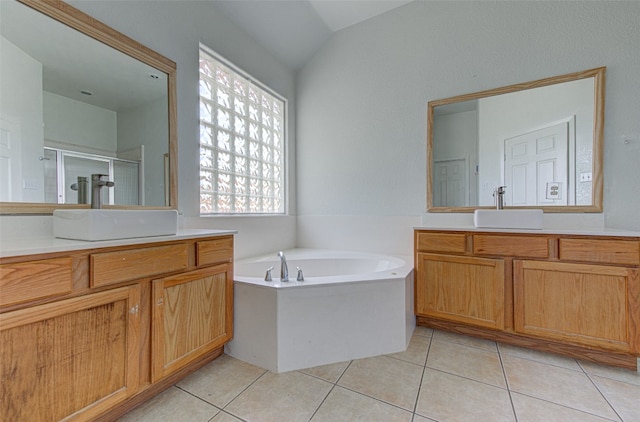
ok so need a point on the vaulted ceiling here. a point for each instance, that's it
(293, 30)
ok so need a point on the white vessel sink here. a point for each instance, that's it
(107, 224)
(508, 219)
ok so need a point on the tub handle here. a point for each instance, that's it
(267, 276)
(300, 276)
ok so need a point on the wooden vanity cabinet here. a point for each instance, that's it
(72, 358)
(192, 315)
(118, 327)
(584, 304)
(570, 294)
(461, 288)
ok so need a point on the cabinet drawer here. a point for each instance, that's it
(115, 267)
(214, 251)
(524, 246)
(624, 252)
(22, 282)
(441, 242)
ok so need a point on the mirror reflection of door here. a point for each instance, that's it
(450, 183)
(535, 167)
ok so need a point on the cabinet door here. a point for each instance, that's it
(592, 305)
(461, 289)
(73, 358)
(192, 315)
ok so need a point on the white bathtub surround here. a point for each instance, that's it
(351, 305)
(257, 234)
(380, 234)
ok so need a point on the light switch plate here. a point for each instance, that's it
(586, 177)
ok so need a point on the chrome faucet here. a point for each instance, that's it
(498, 194)
(96, 184)
(81, 188)
(284, 271)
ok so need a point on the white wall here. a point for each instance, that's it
(362, 104)
(174, 29)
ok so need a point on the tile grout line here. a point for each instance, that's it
(195, 396)
(228, 414)
(608, 377)
(466, 378)
(545, 363)
(374, 398)
(343, 372)
(506, 383)
(221, 409)
(239, 394)
(322, 402)
(424, 368)
(567, 407)
(601, 393)
(581, 370)
(332, 388)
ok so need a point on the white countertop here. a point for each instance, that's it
(597, 231)
(40, 245)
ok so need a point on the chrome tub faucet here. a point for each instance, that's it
(284, 271)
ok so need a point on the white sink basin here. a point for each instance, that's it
(508, 219)
(107, 224)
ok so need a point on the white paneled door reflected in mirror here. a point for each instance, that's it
(72, 84)
(541, 139)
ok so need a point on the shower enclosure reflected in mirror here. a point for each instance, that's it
(80, 98)
(541, 139)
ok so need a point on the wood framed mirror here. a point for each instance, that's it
(542, 139)
(79, 97)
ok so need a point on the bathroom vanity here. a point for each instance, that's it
(89, 330)
(575, 294)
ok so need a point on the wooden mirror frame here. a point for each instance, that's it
(598, 139)
(87, 25)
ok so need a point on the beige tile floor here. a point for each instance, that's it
(441, 377)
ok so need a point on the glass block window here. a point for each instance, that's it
(241, 143)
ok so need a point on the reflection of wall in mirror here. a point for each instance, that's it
(73, 125)
(78, 126)
(86, 128)
(21, 107)
(143, 125)
(125, 89)
(457, 134)
(499, 119)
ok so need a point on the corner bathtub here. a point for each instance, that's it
(350, 305)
